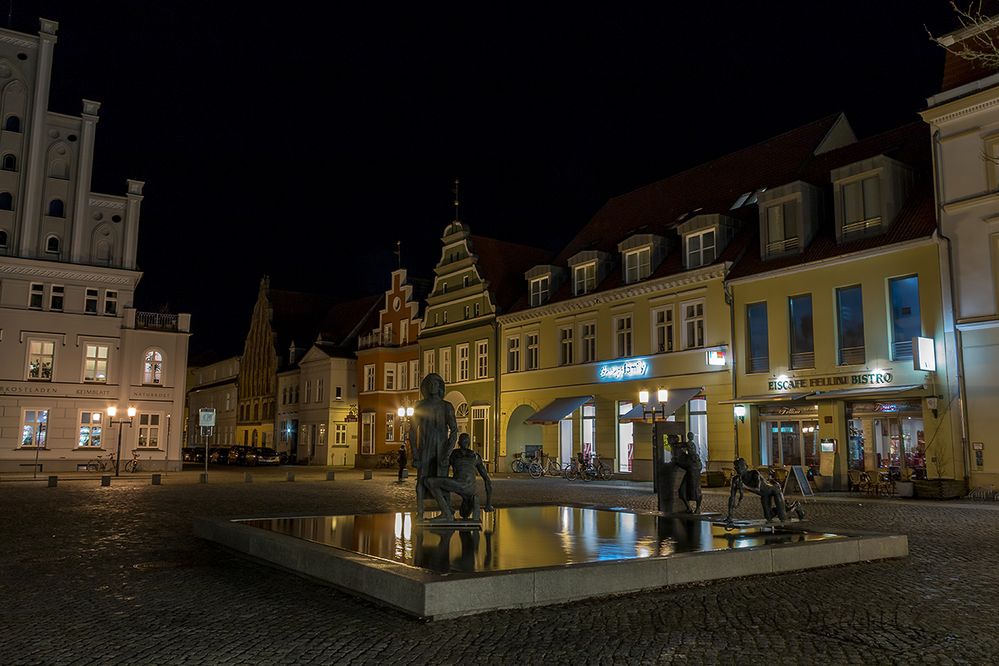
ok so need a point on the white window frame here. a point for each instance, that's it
(339, 434)
(623, 337)
(637, 264)
(463, 351)
(92, 371)
(445, 369)
(402, 375)
(36, 296)
(697, 319)
(784, 243)
(39, 428)
(319, 390)
(404, 332)
(566, 345)
(481, 359)
(308, 391)
(57, 291)
(152, 371)
(389, 426)
(429, 367)
(866, 220)
(532, 350)
(540, 290)
(702, 249)
(481, 413)
(388, 377)
(588, 343)
(668, 326)
(367, 433)
(40, 355)
(369, 377)
(91, 301)
(111, 302)
(148, 428)
(414, 374)
(85, 420)
(584, 278)
(513, 354)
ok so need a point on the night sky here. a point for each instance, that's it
(302, 142)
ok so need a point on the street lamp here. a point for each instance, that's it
(662, 396)
(112, 410)
(740, 411)
(405, 413)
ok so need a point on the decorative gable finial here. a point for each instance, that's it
(456, 200)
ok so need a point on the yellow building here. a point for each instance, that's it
(839, 320)
(637, 301)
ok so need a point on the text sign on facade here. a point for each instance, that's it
(715, 357)
(867, 378)
(613, 372)
(924, 356)
(206, 417)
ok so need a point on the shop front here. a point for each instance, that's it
(789, 435)
(887, 434)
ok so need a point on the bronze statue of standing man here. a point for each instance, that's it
(435, 431)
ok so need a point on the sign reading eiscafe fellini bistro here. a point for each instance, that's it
(863, 379)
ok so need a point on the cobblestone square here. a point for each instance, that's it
(114, 575)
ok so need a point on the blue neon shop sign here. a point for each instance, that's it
(631, 369)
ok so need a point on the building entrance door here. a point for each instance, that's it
(791, 442)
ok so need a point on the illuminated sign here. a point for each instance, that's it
(206, 417)
(615, 372)
(925, 357)
(716, 357)
(868, 378)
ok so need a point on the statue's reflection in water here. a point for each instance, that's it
(439, 550)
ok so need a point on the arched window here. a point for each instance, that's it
(56, 208)
(13, 124)
(9, 163)
(52, 244)
(152, 367)
(59, 169)
(6, 201)
(3, 238)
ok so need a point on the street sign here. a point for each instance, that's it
(206, 417)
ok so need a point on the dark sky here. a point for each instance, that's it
(302, 142)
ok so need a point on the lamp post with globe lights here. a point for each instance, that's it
(112, 412)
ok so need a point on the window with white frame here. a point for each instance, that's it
(369, 378)
(445, 316)
(588, 337)
(861, 204)
(308, 390)
(152, 367)
(414, 375)
(339, 434)
(700, 248)
(319, 390)
(693, 324)
(404, 332)
(622, 335)
(445, 354)
(513, 354)
(95, 363)
(782, 227)
(662, 329)
(480, 431)
(589, 430)
(149, 431)
(57, 297)
(368, 433)
(91, 429)
(637, 264)
(477, 309)
(36, 296)
(389, 426)
(584, 278)
(462, 363)
(90, 302)
(532, 358)
(41, 359)
(429, 366)
(539, 290)
(34, 428)
(466, 312)
(697, 413)
(387, 334)
(403, 375)
(389, 377)
(110, 302)
(565, 346)
(481, 359)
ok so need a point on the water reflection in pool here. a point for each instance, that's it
(525, 537)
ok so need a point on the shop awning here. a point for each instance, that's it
(558, 409)
(773, 397)
(677, 399)
(873, 392)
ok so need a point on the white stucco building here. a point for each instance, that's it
(71, 343)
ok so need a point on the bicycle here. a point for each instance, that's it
(133, 465)
(101, 464)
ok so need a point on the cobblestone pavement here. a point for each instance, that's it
(114, 575)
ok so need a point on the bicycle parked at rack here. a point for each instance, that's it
(101, 463)
(520, 465)
(133, 465)
(587, 469)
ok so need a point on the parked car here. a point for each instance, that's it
(266, 456)
(187, 454)
(219, 455)
(237, 455)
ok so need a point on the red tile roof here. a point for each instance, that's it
(503, 264)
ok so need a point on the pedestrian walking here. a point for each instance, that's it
(402, 460)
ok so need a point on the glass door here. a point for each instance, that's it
(565, 440)
(784, 443)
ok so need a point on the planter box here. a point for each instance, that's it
(939, 488)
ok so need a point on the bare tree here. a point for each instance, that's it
(976, 40)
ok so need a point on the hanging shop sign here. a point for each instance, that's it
(863, 379)
(924, 357)
(631, 369)
(715, 357)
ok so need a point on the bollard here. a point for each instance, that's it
(203, 477)
(291, 476)
(53, 481)
(105, 479)
(330, 475)
(156, 479)
(247, 477)
(367, 474)
(405, 473)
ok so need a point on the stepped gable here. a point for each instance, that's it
(503, 265)
(909, 144)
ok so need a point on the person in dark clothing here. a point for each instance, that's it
(402, 460)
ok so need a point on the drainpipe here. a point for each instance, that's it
(496, 395)
(730, 302)
(959, 344)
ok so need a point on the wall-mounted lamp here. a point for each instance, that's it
(740, 411)
(932, 403)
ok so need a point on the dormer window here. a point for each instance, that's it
(782, 228)
(637, 264)
(584, 278)
(700, 248)
(540, 290)
(861, 205)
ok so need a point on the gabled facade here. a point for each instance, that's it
(71, 343)
(213, 386)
